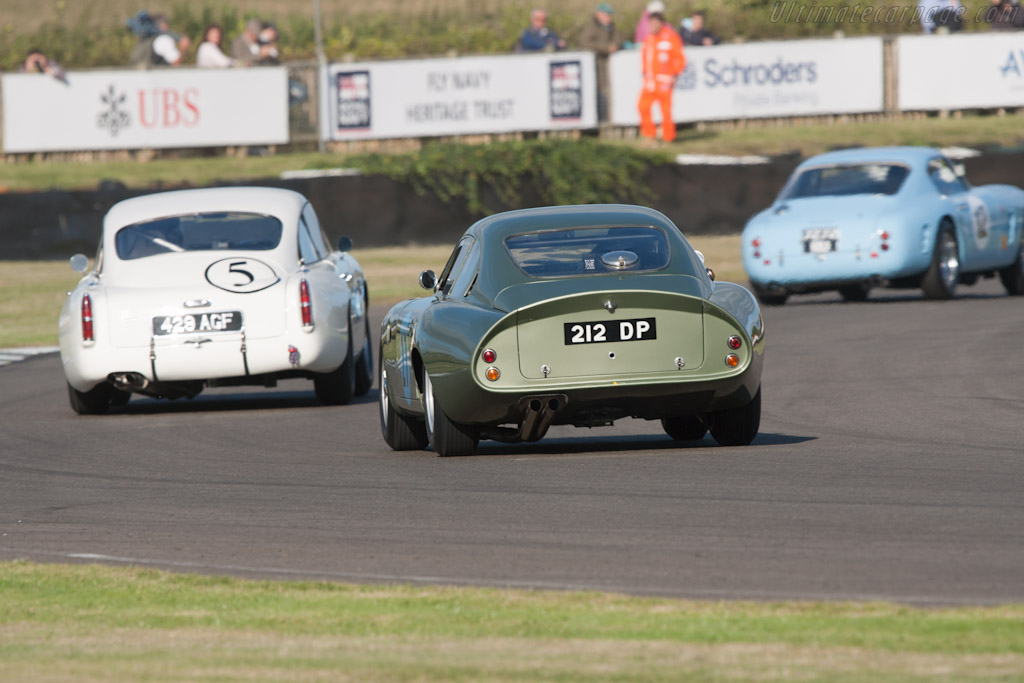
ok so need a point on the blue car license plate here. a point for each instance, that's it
(820, 240)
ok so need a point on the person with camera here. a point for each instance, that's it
(36, 62)
(158, 45)
(256, 45)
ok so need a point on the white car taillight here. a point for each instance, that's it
(306, 304)
(87, 334)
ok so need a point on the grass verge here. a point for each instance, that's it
(752, 138)
(92, 623)
(32, 292)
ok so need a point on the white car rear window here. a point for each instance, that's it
(224, 231)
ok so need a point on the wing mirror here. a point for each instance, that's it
(700, 255)
(428, 280)
(344, 243)
(79, 263)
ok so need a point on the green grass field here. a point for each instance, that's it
(32, 292)
(90, 623)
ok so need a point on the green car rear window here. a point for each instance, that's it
(219, 231)
(589, 251)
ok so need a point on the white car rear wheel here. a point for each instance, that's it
(339, 386)
(96, 401)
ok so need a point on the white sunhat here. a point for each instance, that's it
(656, 7)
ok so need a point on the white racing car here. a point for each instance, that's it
(214, 287)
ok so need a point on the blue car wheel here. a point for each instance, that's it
(943, 274)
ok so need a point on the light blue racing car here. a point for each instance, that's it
(902, 217)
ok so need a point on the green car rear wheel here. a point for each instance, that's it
(447, 438)
(737, 426)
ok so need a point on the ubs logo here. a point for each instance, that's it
(113, 118)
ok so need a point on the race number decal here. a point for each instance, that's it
(242, 275)
(981, 226)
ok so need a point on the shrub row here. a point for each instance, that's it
(506, 174)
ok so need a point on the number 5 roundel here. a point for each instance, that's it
(242, 275)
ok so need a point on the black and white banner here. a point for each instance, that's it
(459, 96)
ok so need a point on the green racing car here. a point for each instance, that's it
(570, 315)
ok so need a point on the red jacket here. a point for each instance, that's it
(662, 57)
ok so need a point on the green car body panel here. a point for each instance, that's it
(484, 300)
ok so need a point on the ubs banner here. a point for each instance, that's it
(145, 109)
(430, 97)
(963, 71)
(791, 78)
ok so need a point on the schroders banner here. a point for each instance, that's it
(459, 96)
(756, 80)
(158, 108)
(961, 71)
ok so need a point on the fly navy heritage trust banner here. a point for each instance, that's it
(162, 108)
(755, 80)
(961, 71)
(458, 96)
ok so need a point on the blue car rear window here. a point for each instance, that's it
(847, 179)
(589, 251)
(198, 232)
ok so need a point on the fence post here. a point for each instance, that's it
(891, 74)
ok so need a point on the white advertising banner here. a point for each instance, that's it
(459, 96)
(961, 71)
(755, 80)
(157, 108)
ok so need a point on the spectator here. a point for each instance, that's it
(267, 41)
(662, 60)
(209, 53)
(537, 37)
(599, 36)
(246, 49)
(158, 45)
(1005, 15)
(643, 27)
(695, 32)
(938, 13)
(38, 63)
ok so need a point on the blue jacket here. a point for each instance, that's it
(532, 40)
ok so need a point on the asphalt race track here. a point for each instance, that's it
(890, 465)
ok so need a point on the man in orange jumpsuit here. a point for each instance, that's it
(663, 60)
